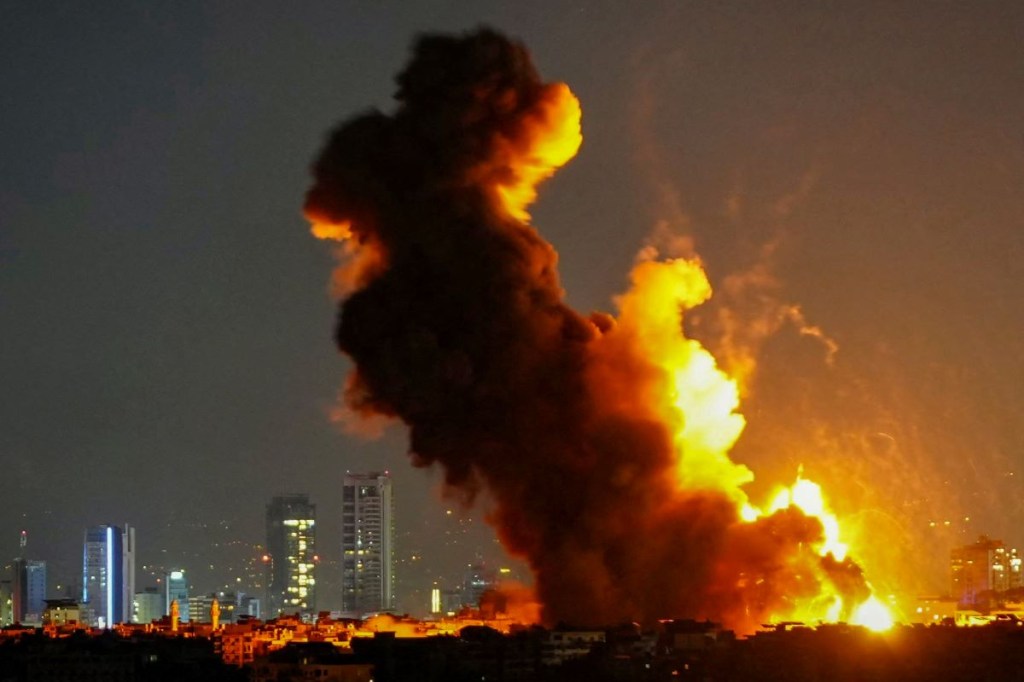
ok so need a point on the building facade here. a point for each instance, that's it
(28, 593)
(367, 544)
(176, 589)
(148, 605)
(62, 612)
(291, 556)
(979, 572)
(108, 574)
(200, 607)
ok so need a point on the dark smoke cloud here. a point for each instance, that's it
(457, 327)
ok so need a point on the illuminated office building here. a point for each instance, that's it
(148, 605)
(291, 555)
(367, 544)
(200, 607)
(176, 589)
(108, 574)
(980, 572)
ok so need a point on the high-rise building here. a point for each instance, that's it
(291, 555)
(28, 587)
(176, 589)
(28, 593)
(367, 544)
(980, 571)
(108, 574)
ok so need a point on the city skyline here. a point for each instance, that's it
(178, 581)
(240, 566)
(166, 316)
(982, 575)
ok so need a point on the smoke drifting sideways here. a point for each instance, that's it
(576, 426)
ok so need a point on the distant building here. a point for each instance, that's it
(451, 602)
(228, 602)
(28, 591)
(248, 606)
(478, 579)
(6, 603)
(62, 612)
(176, 588)
(561, 645)
(933, 609)
(367, 544)
(108, 574)
(311, 660)
(199, 608)
(148, 605)
(978, 572)
(291, 552)
(445, 602)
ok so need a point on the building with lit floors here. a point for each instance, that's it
(291, 555)
(367, 544)
(980, 572)
(108, 575)
(148, 605)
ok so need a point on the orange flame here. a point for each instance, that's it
(702, 403)
(356, 264)
(338, 232)
(701, 400)
(549, 137)
(873, 615)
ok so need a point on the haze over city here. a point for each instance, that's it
(849, 178)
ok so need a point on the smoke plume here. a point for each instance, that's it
(606, 476)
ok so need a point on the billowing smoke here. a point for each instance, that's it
(454, 317)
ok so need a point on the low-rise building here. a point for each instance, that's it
(563, 645)
(311, 661)
(60, 612)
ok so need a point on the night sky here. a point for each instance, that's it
(166, 355)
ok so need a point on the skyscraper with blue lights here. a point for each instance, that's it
(108, 574)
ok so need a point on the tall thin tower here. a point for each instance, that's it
(108, 574)
(291, 554)
(367, 544)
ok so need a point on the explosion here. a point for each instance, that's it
(603, 440)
